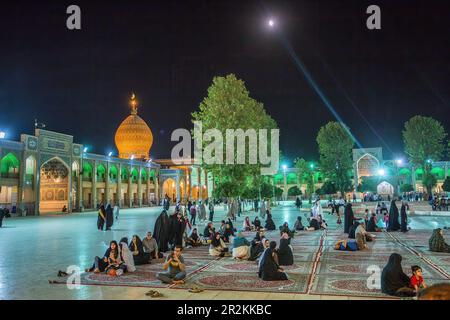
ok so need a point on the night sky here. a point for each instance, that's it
(79, 82)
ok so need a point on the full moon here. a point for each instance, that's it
(271, 23)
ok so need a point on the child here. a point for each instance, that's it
(386, 219)
(416, 281)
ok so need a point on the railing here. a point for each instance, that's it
(10, 175)
(87, 179)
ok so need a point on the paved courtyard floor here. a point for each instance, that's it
(33, 249)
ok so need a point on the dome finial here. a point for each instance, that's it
(133, 103)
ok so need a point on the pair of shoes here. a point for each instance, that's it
(150, 292)
(196, 289)
(62, 273)
(154, 294)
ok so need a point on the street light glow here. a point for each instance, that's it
(110, 154)
(284, 167)
(271, 23)
(381, 172)
(85, 149)
(2, 134)
(399, 161)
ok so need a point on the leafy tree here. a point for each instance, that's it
(406, 187)
(305, 174)
(278, 192)
(294, 191)
(328, 187)
(228, 105)
(446, 184)
(424, 139)
(368, 184)
(335, 149)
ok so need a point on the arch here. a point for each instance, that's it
(438, 173)
(134, 175)
(152, 176)
(418, 174)
(124, 174)
(169, 188)
(291, 178)
(144, 176)
(54, 185)
(367, 165)
(113, 173)
(101, 172)
(30, 165)
(10, 166)
(318, 177)
(404, 172)
(278, 178)
(385, 188)
(87, 171)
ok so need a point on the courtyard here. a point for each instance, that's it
(35, 248)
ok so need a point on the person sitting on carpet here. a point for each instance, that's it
(209, 231)
(222, 227)
(270, 225)
(151, 246)
(246, 226)
(269, 270)
(352, 230)
(416, 280)
(437, 242)
(285, 255)
(257, 223)
(322, 223)
(110, 256)
(217, 247)
(394, 281)
(229, 232)
(126, 256)
(139, 256)
(257, 247)
(298, 226)
(194, 240)
(372, 224)
(362, 236)
(241, 247)
(313, 224)
(285, 228)
(176, 269)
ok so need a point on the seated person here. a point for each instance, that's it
(416, 280)
(285, 228)
(362, 236)
(151, 246)
(437, 242)
(126, 256)
(209, 231)
(322, 222)
(269, 270)
(257, 246)
(194, 239)
(246, 225)
(285, 255)
(298, 226)
(110, 257)
(176, 269)
(372, 224)
(257, 223)
(352, 230)
(394, 281)
(313, 224)
(241, 247)
(270, 225)
(228, 233)
(218, 248)
(137, 249)
(222, 227)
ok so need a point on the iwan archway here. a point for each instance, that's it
(54, 186)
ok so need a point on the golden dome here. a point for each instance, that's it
(134, 137)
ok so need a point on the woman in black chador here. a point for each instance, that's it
(285, 255)
(270, 225)
(393, 217)
(403, 217)
(109, 217)
(177, 230)
(393, 280)
(348, 217)
(101, 218)
(161, 231)
(137, 249)
(269, 270)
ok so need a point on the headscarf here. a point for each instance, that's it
(267, 256)
(437, 242)
(139, 246)
(393, 217)
(393, 277)
(216, 242)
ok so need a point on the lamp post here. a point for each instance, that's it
(398, 163)
(285, 182)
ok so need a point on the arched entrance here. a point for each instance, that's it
(170, 189)
(367, 166)
(385, 188)
(54, 186)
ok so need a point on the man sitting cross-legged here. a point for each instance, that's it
(175, 268)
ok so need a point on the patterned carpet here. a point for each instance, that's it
(318, 269)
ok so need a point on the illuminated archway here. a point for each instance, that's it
(54, 186)
(367, 166)
(10, 166)
(170, 188)
(385, 188)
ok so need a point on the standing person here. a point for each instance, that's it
(297, 203)
(109, 217)
(202, 211)
(255, 205)
(393, 217)
(262, 209)
(403, 217)
(178, 231)
(193, 212)
(211, 210)
(101, 218)
(189, 205)
(116, 211)
(2, 215)
(176, 269)
(161, 231)
(348, 217)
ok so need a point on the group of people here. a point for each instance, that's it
(106, 216)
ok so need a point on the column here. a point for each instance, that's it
(107, 197)
(139, 188)
(80, 187)
(119, 186)
(413, 177)
(147, 192)
(284, 186)
(199, 184)
(130, 189)
(446, 170)
(178, 187)
(21, 186)
(37, 187)
(94, 186)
